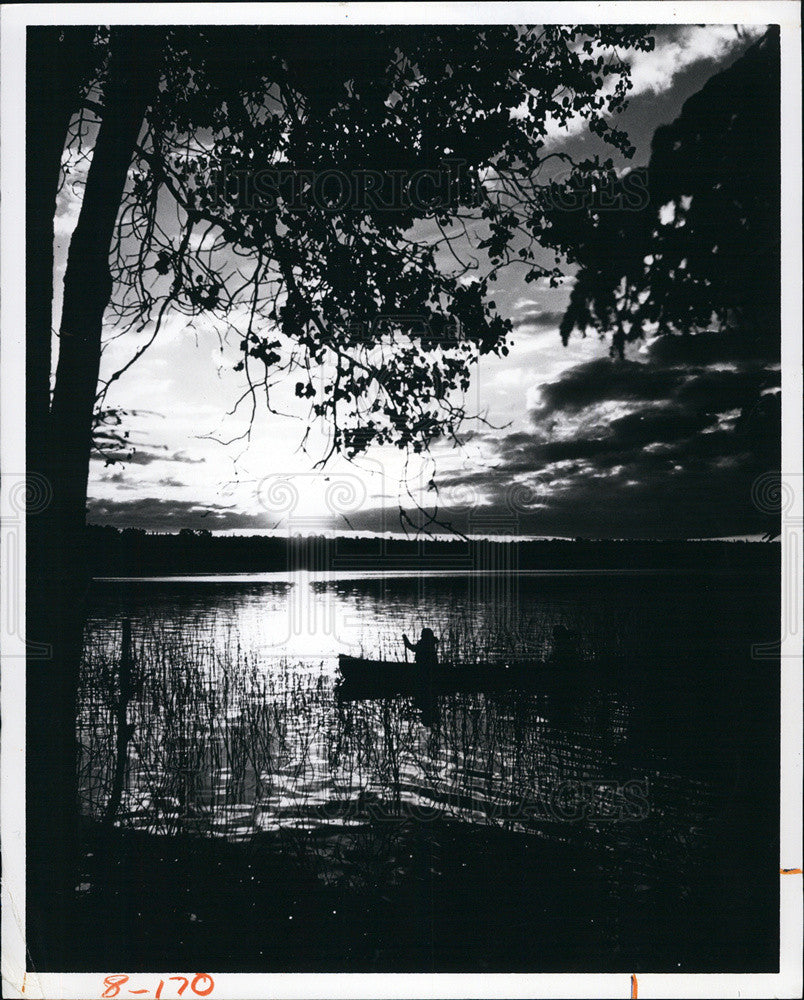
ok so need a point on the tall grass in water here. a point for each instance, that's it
(210, 740)
(224, 744)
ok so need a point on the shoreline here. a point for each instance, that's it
(402, 896)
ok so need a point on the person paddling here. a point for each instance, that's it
(425, 650)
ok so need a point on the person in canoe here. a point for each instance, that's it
(425, 650)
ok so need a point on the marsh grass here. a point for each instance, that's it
(210, 730)
(225, 745)
(254, 770)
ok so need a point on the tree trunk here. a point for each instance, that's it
(59, 62)
(52, 803)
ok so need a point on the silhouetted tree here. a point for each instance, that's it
(706, 250)
(705, 254)
(179, 212)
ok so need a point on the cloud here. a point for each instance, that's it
(119, 480)
(615, 449)
(680, 491)
(160, 514)
(537, 320)
(679, 48)
(664, 447)
(702, 500)
(688, 372)
(605, 379)
(714, 347)
(146, 456)
(609, 444)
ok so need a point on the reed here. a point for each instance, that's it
(224, 745)
(209, 731)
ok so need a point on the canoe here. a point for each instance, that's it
(389, 676)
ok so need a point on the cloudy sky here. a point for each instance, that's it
(575, 444)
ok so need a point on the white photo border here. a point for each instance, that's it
(19, 983)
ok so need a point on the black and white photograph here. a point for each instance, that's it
(402, 500)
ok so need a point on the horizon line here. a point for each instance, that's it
(424, 536)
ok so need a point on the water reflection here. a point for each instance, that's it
(601, 813)
(237, 727)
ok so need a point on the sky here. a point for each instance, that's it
(573, 443)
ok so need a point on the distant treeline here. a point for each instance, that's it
(134, 552)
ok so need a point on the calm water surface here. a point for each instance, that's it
(254, 644)
(652, 770)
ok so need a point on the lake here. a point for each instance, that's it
(642, 793)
